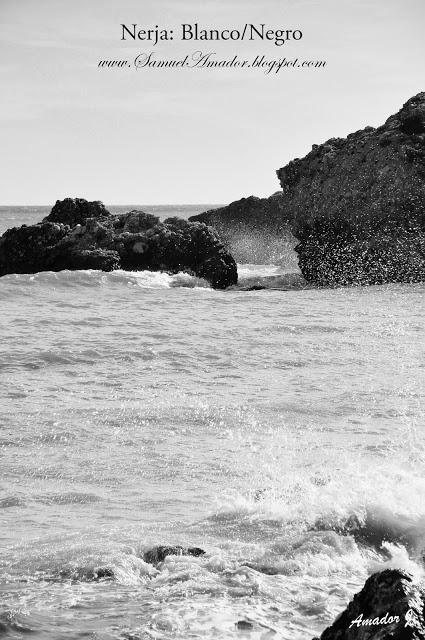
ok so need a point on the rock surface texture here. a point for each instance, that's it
(83, 235)
(158, 554)
(389, 607)
(356, 205)
(247, 212)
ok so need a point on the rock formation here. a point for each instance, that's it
(158, 554)
(248, 213)
(356, 205)
(72, 211)
(83, 235)
(390, 606)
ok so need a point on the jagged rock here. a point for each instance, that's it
(137, 221)
(100, 259)
(158, 554)
(390, 606)
(72, 211)
(358, 204)
(133, 241)
(177, 247)
(28, 249)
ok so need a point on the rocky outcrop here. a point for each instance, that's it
(390, 606)
(158, 554)
(358, 204)
(72, 211)
(247, 213)
(133, 241)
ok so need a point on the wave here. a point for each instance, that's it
(251, 276)
(268, 276)
(94, 278)
(12, 622)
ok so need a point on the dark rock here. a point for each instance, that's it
(158, 554)
(175, 247)
(244, 625)
(246, 212)
(412, 115)
(358, 204)
(138, 221)
(268, 570)
(389, 607)
(100, 259)
(73, 211)
(103, 572)
(29, 249)
(133, 241)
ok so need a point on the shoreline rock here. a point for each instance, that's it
(83, 235)
(356, 206)
(156, 555)
(358, 203)
(390, 606)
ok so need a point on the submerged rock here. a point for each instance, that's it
(87, 574)
(158, 554)
(84, 235)
(389, 607)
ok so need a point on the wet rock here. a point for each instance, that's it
(85, 574)
(358, 204)
(102, 573)
(133, 241)
(99, 259)
(389, 607)
(268, 570)
(244, 625)
(158, 554)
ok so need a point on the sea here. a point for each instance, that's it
(280, 430)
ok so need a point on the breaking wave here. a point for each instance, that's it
(94, 278)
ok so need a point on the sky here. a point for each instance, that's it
(165, 136)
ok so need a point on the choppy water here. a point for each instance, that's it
(283, 429)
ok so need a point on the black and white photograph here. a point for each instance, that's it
(212, 336)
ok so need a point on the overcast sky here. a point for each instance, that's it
(192, 135)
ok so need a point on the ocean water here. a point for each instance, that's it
(279, 431)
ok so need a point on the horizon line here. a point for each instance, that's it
(145, 204)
